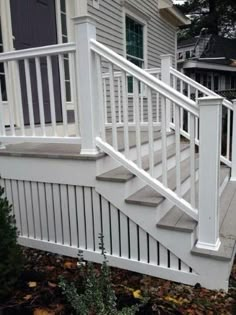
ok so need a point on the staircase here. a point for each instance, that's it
(164, 221)
(161, 169)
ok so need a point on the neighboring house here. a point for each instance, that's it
(211, 61)
(93, 140)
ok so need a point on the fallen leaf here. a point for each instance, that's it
(137, 294)
(43, 311)
(32, 284)
(70, 265)
(27, 297)
(52, 285)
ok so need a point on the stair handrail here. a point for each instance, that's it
(198, 86)
(167, 92)
(143, 76)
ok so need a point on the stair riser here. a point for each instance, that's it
(107, 164)
(136, 184)
(166, 205)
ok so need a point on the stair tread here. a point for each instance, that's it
(132, 137)
(149, 197)
(177, 220)
(121, 174)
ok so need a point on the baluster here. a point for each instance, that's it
(150, 132)
(192, 160)
(113, 107)
(181, 109)
(19, 98)
(141, 100)
(189, 96)
(164, 141)
(137, 126)
(125, 112)
(2, 116)
(74, 92)
(51, 95)
(63, 94)
(119, 100)
(228, 133)
(29, 96)
(9, 98)
(177, 148)
(105, 99)
(40, 95)
(100, 96)
(158, 102)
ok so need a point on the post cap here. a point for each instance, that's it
(84, 19)
(210, 100)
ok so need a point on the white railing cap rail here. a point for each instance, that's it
(117, 74)
(199, 86)
(145, 77)
(37, 52)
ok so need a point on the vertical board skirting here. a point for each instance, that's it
(74, 217)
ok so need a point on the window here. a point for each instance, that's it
(2, 73)
(134, 45)
(64, 39)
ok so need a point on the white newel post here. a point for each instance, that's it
(85, 30)
(166, 63)
(233, 169)
(209, 170)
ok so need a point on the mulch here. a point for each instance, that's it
(37, 291)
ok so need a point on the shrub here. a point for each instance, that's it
(98, 296)
(10, 252)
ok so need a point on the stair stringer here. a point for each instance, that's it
(177, 242)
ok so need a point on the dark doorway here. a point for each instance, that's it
(34, 25)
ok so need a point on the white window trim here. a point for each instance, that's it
(143, 22)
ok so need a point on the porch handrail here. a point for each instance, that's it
(143, 76)
(37, 52)
(118, 74)
(153, 85)
(198, 86)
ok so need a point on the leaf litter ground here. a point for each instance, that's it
(37, 290)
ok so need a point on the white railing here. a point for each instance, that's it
(155, 90)
(37, 109)
(117, 77)
(195, 90)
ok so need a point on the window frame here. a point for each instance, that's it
(143, 21)
(137, 18)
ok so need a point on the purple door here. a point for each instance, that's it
(34, 25)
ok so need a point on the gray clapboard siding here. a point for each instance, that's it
(160, 34)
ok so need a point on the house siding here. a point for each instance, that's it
(160, 34)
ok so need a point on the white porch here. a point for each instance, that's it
(147, 168)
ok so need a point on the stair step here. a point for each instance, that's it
(121, 174)
(175, 219)
(132, 137)
(150, 197)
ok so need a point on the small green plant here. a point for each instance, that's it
(10, 252)
(98, 297)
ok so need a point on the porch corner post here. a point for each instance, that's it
(233, 169)
(85, 30)
(166, 63)
(209, 170)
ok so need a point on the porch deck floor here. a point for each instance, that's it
(69, 151)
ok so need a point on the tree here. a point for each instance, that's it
(216, 17)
